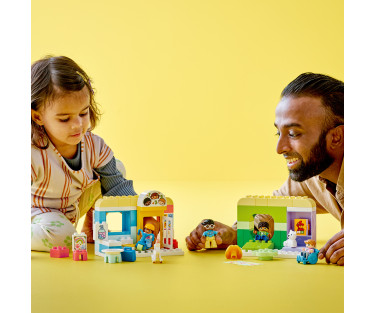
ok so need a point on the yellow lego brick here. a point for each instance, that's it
(303, 202)
(261, 200)
(169, 201)
(107, 202)
(124, 201)
(247, 201)
(133, 200)
(280, 201)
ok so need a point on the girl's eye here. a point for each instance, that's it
(83, 114)
(64, 120)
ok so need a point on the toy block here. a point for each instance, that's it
(79, 241)
(107, 202)
(261, 201)
(59, 252)
(112, 255)
(169, 201)
(301, 226)
(256, 245)
(175, 244)
(124, 201)
(100, 231)
(280, 201)
(303, 202)
(128, 255)
(266, 254)
(247, 201)
(288, 254)
(126, 241)
(80, 255)
(133, 200)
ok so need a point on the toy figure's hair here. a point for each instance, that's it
(207, 222)
(310, 242)
(51, 78)
(263, 224)
(329, 89)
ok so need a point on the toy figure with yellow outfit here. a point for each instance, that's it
(209, 234)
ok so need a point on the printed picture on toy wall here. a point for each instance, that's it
(154, 198)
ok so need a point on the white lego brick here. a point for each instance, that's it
(116, 208)
(298, 209)
(245, 225)
(287, 254)
(280, 226)
(281, 254)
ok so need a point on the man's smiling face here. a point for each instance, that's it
(300, 122)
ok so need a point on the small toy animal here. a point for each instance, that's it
(291, 240)
(156, 252)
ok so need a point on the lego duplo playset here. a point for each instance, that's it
(135, 233)
(275, 222)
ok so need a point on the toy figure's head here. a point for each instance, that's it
(149, 228)
(291, 235)
(310, 243)
(154, 195)
(263, 226)
(263, 222)
(208, 224)
(162, 201)
(147, 201)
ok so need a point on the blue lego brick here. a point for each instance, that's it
(128, 255)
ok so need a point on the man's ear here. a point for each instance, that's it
(336, 137)
(36, 117)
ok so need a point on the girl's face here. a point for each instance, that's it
(66, 120)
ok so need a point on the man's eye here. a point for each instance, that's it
(294, 135)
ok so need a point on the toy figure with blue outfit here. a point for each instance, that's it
(209, 234)
(263, 232)
(147, 238)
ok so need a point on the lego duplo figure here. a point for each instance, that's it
(147, 238)
(263, 227)
(262, 231)
(209, 234)
(309, 248)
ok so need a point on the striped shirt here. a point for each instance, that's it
(55, 185)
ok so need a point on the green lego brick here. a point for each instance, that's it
(256, 245)
(243, 237)
(245, 213)
(266, 254)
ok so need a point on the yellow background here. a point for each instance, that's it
(188, 91)
(188, 88)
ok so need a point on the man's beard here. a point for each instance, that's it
(319, 160)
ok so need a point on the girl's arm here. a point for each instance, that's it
(112, 181)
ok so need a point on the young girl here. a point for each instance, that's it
(70, 166)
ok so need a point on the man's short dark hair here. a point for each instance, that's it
(329, 89)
